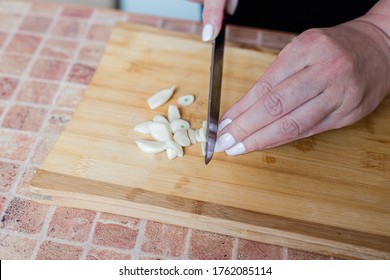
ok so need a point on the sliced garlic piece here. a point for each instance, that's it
(160, 97)
(160, 131)
(151, 147)
(186, 100)
(191, 135)
(197, 137)
(171, 144)
(202, 134)
(160, 118)
(171, 153)
(143, 127)
(203, 145)
(204, 124)
(181, 137)
(173, 113)
(179, 124)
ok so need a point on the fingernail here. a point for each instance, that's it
(223, 124)
(225, 141)
(208, 32)
(236, 150)
(231, 6)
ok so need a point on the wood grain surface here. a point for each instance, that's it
(329, 193)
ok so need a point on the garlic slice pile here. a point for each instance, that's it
(173, 133)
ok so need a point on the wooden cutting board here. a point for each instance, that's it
(329, 193)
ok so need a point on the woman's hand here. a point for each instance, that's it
(325, 79)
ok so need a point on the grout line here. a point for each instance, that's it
(284, 253)
(42, 235)
(187, 244)
(235, 248)
(88, 244)
(138, 242)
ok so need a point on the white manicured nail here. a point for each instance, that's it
(223, 124)
(208, 32)
(236, 150)
(224, 142)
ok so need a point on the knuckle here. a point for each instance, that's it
(290, 128)
(273, 105)
(241, 129)
(261, 88)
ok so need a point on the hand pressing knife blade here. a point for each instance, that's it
(215, 92)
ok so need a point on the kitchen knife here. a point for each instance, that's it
(216, 68)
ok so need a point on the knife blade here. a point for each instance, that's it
(216, 69)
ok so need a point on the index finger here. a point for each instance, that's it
(213, 12)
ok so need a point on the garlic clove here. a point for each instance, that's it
(161, 97)
(173, 113)
(160, 118)
(203, 146)
(186, 100)
(179, 124)
(143, 127)
(181, 137)
(202, 134)
(151, 147)
(171, 144)
(171, 153)
(197, 137)
(160, 131)
(191, 135)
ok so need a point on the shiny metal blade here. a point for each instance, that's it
(215, 92)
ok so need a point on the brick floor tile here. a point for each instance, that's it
(23, 187)
(49, 69)
(37, 92)
(13, 64)
(251, 250)
(16, 247)
(3, 200)
(71, 224)
(9, 21)
(207, 246)
(69, 28)
(59, 48)
(36, 24)
(99, 32)
(70, 96)
(50, 250)
(24, 216)
(163, 239)
(124, 220)
(81, 73)
(116, 236)
(45, 143)
(8, 173)
(91, 52)
(99, 254)
(24, 44)
(24, 118)
(78, 12)
(7, 87)
(57, 121)
(15, 145)
(294, 254)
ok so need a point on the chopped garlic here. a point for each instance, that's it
(186, 100)
(150, 147)
(161, 97)
(143, 127)
(173, 113)
(160, 131)
(181, 137)
(179, 124)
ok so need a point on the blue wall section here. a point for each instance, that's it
(167, 8)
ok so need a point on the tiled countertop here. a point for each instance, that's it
(48, 54)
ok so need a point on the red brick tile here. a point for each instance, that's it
(3, 200)
(8, 173)
(13, 64)
(15, 145)
(49, 69)
(44, 8)
(294, 254)
(163, 239)
(242, 35)
(154, 21)
(7, 87)
(45, 143)
(59, 48)
(98, 254)
(207, 246)
(24, 44)
(78, 12)
(36, 24)
(2, 108)
(3, 37)
(37, 92)
(50, 250)
(70, 96)
(81, 73)
(24, 118)
(250, 250)
(57, 121)
(185, 26)
(24, 216)
(9, 21)
(91, 52)
(17, 7)
(71, 224)
(110, 17)
(128, 221)
(99, 32)
(115, 236)
(69, 28)
(16, 247)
